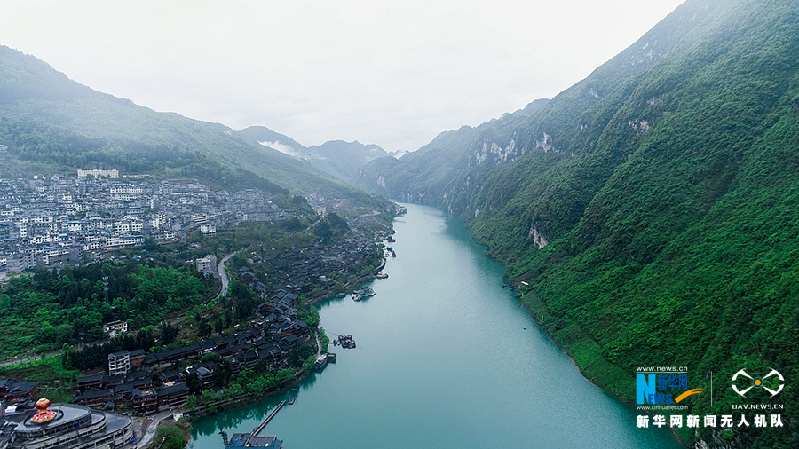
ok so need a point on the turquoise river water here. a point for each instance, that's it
(446, 358)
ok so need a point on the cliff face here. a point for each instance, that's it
(649, 205)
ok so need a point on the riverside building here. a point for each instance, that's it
(61, 427)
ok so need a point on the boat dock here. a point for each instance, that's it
(267, 419)
(321, 361)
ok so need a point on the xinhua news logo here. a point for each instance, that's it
(662, 386)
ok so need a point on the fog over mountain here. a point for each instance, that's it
(392, 73)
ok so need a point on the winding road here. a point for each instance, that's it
(223, 274)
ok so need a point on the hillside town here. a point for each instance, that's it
(49, 222)
(44, 221)
(150, 381)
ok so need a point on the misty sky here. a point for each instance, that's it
(393, 73)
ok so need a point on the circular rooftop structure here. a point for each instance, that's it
(70, 426)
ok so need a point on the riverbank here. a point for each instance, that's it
(348, 287)
(586, 355)
(445, 355)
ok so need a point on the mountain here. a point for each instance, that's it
(335, 157)
(343, 159)
(650, 209)
(424, 173)
(51, 123)
(261, 135)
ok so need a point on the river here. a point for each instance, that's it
(446, 358)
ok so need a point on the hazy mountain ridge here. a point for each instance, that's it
(335, 157)
(425, 173)
(648, 206)
(34, 95)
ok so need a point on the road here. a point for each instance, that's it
(223, 275)
(153, 425)
(18, 360)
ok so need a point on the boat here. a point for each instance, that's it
(346, 341)
(381, 275)
(291, 401)
(321, 361)
(356, 297)
(364, 292)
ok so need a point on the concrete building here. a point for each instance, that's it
(207, 263)
(73, 427)
(118, 363)
(114, 173)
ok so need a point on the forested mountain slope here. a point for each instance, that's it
(337, 158)
(652, 207)
(49, 122)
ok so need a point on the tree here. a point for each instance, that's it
(208, 396)
(172, 437)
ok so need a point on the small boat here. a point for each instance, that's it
(346, 341)
(356, 297)
(381, 275)
(364, 292)
(291, 401)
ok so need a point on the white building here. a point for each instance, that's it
(99, 173)
(118, 363)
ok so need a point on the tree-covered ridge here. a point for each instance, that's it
(35, 96)
(50, 308)
(53, 150)
(655, 222)
(337, 158)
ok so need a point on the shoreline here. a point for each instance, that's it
(247, 400)
(539, 313)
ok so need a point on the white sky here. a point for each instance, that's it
(390, 72)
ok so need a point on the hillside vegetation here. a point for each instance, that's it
(52, 124)
(651, 207)
(337, 158)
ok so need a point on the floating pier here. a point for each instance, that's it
(267, 419)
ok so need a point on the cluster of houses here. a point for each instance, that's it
(149, 382)
(16, 391)
(51, 220)
(301, 268)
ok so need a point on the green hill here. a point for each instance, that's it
(51, 123)
(651, 207)
(337, 158)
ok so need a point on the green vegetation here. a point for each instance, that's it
(52, 124)
(55, 382)
(173, 436)
(46, 310)
(666, 186)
